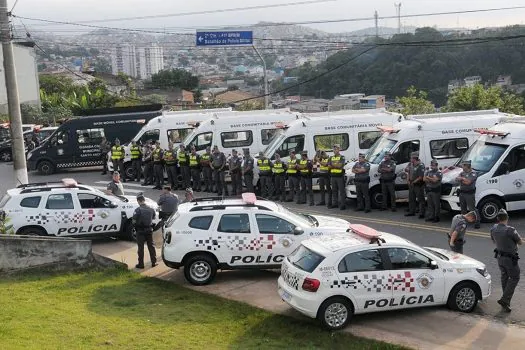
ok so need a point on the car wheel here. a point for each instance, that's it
(6, 156)
(488, 209)
(46, 168)
(200, 270)
(376, 198)
(335, 313)
(32, 231)
(130, 233)
(463, 297)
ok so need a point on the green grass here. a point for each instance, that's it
(117, 309)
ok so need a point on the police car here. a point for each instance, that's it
(333, 277)
(210, 233)
(69, 209)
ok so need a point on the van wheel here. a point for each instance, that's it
(488, 209)
(46, 168)
(376, 198)
(200, 269)
(32, 231)
(128, 171)
(463, 297)
(6, 156)
(335, 313)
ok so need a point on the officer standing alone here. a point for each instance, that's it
(416, 187)
(337, 179)
(305, 177)
(136, 160)
(206, 170)
(117, 158)
(279, 170)
(324, 179)
(432, 180)
(507, 240)
(467, 189)
(247, 170)
(218, 162)
(115, 185)
(234, 164)
(195, 168)
(387, 177)
(361, 169)
(158, 167)
(293, 177)
(142, 220)
(458, 228)
(265, 175)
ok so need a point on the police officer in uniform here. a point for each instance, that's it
(143, 220)
(247, 170)
(279, 169)
(416, 187)
(336, 165)
(170, 160)
(168, 203)
(207, 171)
(136, 160)
(104, 147)
(361, 169)
(147, 159)
(195, 167)
(456, 237)
(324, 179)
(507, 240)
(115, 186)
(117, 158)
(293, 177)
(235, 164)
(218, 162)
(305, 168)
(387, 177)
(184, 167)
(467, 189)
(158, 167)
(265, 175)
(432, 180)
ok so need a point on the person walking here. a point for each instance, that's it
(361, 169)
(467, 190)
(168, 203)
(117, 158)
(195, 168)
(158, 167)
(336, 165)
(207, 171)
(247, 170)
(416, 190)
(218, 162)
(115, 186)
(170, 160)
(456, 237)
(387, 178)
(324, 179)
(432, 180)
(104, 147)
(305, 177)
(235, 165)
(279, 170)
(147, 159)
(292, 174)
(507, 240)
(265, 175)
(184, 167)
(136, 161)
(142, 220)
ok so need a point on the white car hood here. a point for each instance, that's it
(459, 260)
(331, 222)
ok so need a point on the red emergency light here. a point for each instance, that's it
(280, 125)
(491, 132)
(364, 231)
(388, 129)
(69, 183)
(249, 198)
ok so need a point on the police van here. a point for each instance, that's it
(498, 158)
(444, 137)
(76, 142)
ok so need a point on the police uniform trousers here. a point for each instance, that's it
(171, 170)
(185, 176)
(104, 159)
(118, 165)
(265, 182)
(219, 177)
(293, 185)
(145, 237)
(248, 182)
(433, 202)
(136, 165)
(158, 173)
(148, 173)
(416, 193)
(196, 178)
(388, 190)
(338, 191)
(510, 276)
(363, 194)
(467, 202)
(279, 187)
(236, 179)
(325, 188)
(457, 247)
(207, 177)
(306, 187)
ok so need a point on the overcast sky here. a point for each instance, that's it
(71, 10)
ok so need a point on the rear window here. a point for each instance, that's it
(201, 222)
(30, 202)
(305, 259)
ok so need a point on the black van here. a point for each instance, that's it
(75, 144)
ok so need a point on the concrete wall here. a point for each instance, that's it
(23, 252)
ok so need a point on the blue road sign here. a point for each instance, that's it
(224, 38)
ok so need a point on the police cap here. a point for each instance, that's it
(189, 190)
(117, 140)
(337, 146)
(388, 153)
(167, 188)
(140, 198)
(246, 150)
(466, 162)
(414, 155)
(304, 153)
(434, 162)
(473, 213)
(502, 215)
(234, 151)
(116, 173)
(361, 155)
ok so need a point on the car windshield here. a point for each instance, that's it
(439, 255)
(376, 153)
(275, 143)
(189, 138)
(483, 155)
(304, 220)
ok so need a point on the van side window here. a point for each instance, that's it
(150, 135)
(202, 141)
(516, 158)
(90, 136)
(402, 155)
(267, 135)
(237, 139)
(61, 138)
(448, 148)
(293, 143)
(327, 142)
(368, 138)
(178, 135)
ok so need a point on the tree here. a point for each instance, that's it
(174, 78)
(478, 97)
(415, 102)
(154, 99)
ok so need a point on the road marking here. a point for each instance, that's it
(125, 184)
(126, 190)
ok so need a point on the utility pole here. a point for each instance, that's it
(13, 102)
(266, 96)
(398, 13)
(376, 17)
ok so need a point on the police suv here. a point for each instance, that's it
(333, 277)
(210, 233)
(69, 209)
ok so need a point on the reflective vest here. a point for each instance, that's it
(156, 155)
(194, 161)
(169, 158)
(336, 160)
(324, 165)
(303, 167)
(117, 153)
(205, 159)
(135, 152)
(278, 168)
(183, 159)
(264, 165)
(291, 166)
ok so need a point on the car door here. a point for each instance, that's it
(61, 149)
(277, 238)
(511, 178)
(236, 240)
(97, 215)
(415, 282)
(363, 278)
(60, 215)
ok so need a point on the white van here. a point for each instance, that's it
(441, 136)
(498, 157)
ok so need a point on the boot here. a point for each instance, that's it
(321, 203)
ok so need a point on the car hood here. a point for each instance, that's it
(459, 260)
(331, 222)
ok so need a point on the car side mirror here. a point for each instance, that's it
(298, 231)
(434, 265)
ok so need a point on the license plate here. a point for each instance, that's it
(285, 295)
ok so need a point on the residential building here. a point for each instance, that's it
(454, 85)
(372, 102)
(504, 81)
(123, 60)
(473, 80)
(236, 97)
(137, 62)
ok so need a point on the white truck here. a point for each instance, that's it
(444, 137)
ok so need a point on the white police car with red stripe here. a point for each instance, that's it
(333, 277)
(207, 234)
